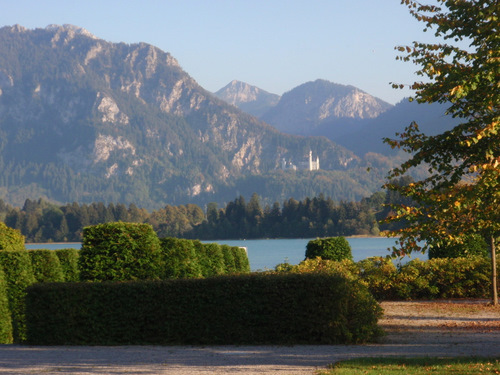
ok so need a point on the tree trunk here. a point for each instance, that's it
(494, 290)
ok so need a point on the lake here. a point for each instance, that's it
(265, 254)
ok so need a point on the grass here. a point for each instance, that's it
(409, 366)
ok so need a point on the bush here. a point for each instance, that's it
(10, 239)
(120, 251)
(473, 245)
(452, 278)
(229, 261)
(345, 268)
(378, 274)
(69, 263)
(331, 248)
(46, 266)
(180, 259)
(435, 278)
(18, 275)
(244, 309)
(5, 316)
(214, 260)
(241, 262)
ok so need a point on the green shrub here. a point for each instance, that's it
(69, 263)
(436, 278)
(331, 248)
(378, 274)
(474, 245)
(345, 268)
(5, 315)
(444, 278)
(18, 275)
(46, 266)
(460, 277)
(10, 239)
(180, 259)
(411, 281)
(120, 251)
(229, 262)
(214, 260)
(241, 261)
(245, 309)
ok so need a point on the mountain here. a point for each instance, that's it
(84, 120)
(344, 114)
(363, 136)
(249, 99)
(311, 104)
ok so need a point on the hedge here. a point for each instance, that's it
(180, 258)
(331, 248)
(18, 275)
(5, 316)
(229, 261)
(46, 266)
(120, 251)
(214, 260)
(241, 261)
(193, 259)
(227, 310)
(68, 258)
(10, 239)
(436, 278)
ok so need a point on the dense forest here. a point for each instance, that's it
(42, 221)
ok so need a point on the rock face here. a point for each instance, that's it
(248, 98)
(307, 106)
(82, 119)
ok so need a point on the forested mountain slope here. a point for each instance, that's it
(86, 120)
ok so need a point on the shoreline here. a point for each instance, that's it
(239, 239)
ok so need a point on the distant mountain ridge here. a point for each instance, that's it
(86, 120)
(305, 107)
(248, 98)
(344, 114)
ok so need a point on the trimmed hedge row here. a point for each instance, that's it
(130, 251)
(432, 279)
(5, 316)
(18, 276)
(193, 259)
(18, 270)
(68, 258)
(242, 309)
(10, 239)
(120, 251)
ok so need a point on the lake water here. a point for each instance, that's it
(265, 254)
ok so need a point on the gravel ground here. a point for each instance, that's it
(438, 329)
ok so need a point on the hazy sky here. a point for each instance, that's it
(273, 44)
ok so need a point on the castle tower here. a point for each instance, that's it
(313, 164)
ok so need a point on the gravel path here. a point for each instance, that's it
(413, 329)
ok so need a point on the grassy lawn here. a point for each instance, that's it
(406, 366)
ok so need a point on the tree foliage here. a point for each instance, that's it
(42, 221)
(333, 248)
(120, 252)
(461, 194)
(10, 239)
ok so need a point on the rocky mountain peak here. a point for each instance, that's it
(70, 29)
(248, 98)
(309, 105)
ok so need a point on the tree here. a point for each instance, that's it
(461, 195)
(332, 248)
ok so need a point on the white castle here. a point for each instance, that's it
(310, 165)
